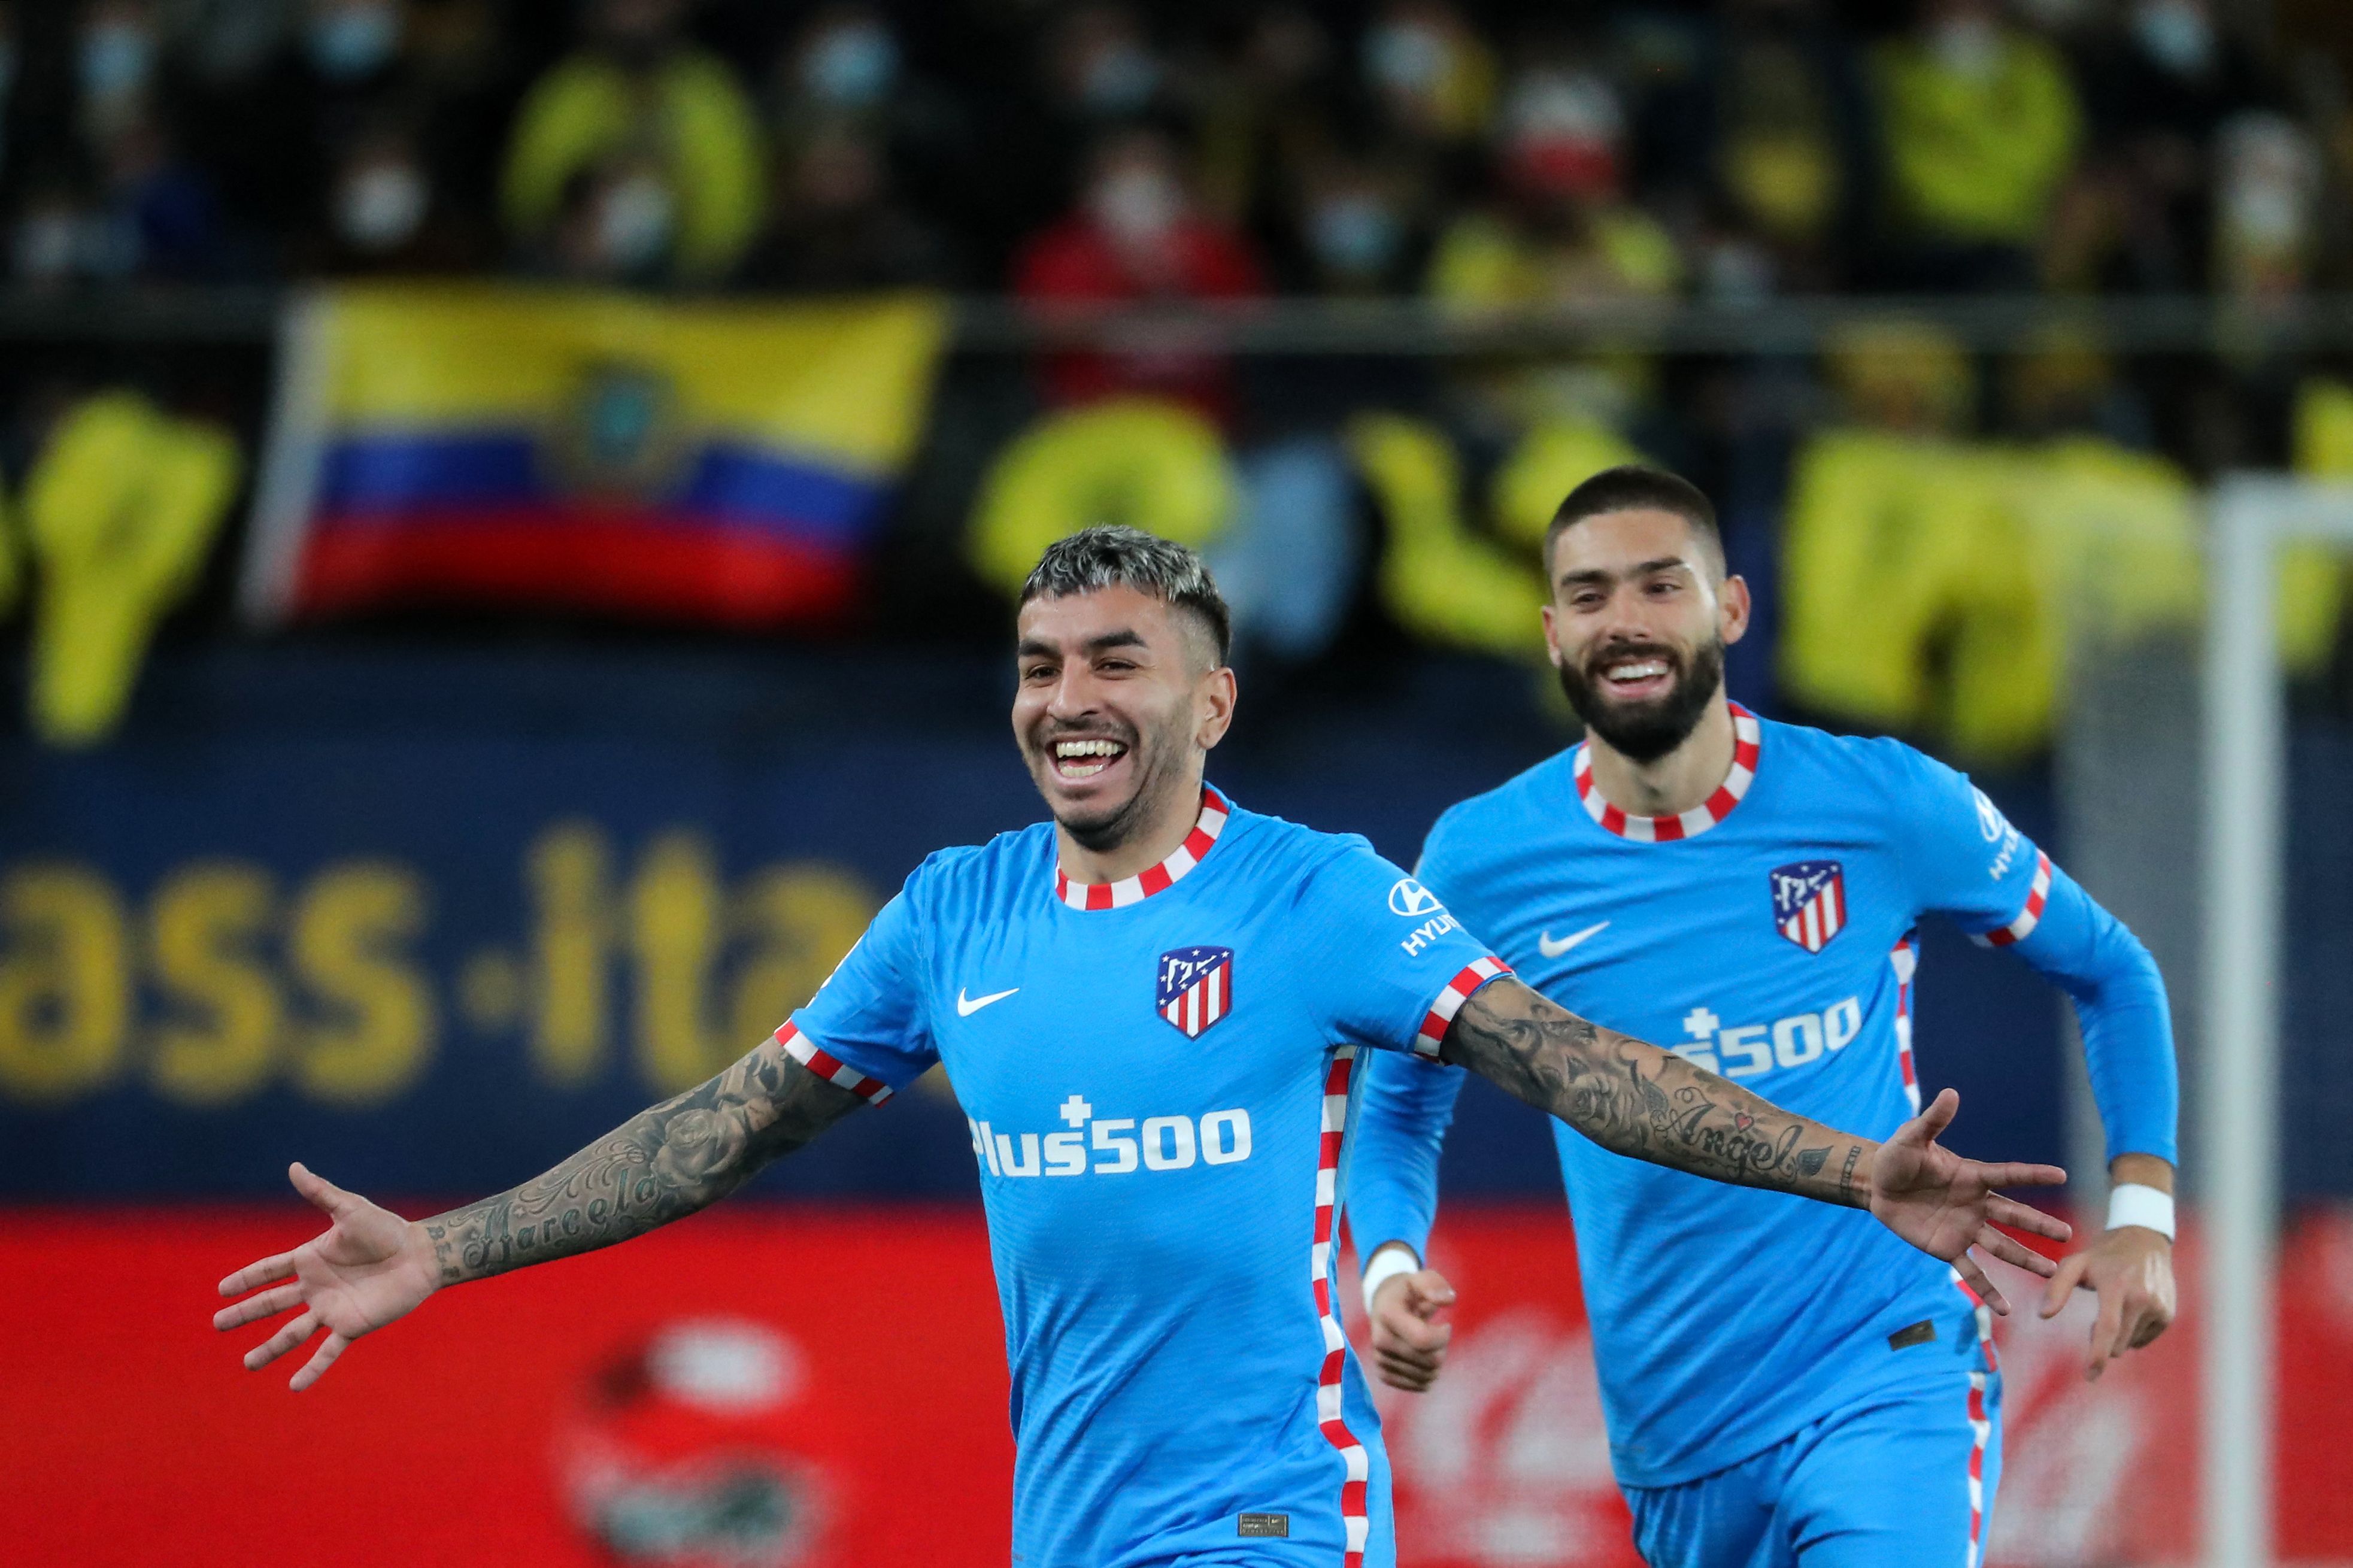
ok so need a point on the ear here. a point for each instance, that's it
(1552, 643)
(1732, 609)
(1213, 706)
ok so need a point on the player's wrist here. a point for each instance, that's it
(2132, 1205)
(1389, 1260)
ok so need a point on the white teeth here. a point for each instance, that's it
(1088, 748)
(1637, 671)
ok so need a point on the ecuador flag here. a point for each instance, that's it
(714, 460)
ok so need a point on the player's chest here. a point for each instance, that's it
(1786, 924)
(1176, 1006)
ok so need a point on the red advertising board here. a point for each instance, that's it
(818, 1386)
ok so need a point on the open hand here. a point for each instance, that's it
(365, 1269)
(1408, 1347)
(2130, 1269)
(1945, 1205)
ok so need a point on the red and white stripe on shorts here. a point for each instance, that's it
(1355, 1461)
(831, 1068)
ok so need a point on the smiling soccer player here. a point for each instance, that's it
(1783, 1385)
(1150, 1009)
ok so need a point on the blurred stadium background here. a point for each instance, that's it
(509, 511)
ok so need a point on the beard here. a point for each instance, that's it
(1100, 829)
(1645, 731)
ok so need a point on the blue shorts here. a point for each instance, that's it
(1907, 1479)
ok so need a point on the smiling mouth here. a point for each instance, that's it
(1076, 761)
(1637, 676)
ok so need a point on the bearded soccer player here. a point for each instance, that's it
(1150, 1009)
(1753, 892)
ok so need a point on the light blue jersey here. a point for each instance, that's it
(1159, 1076)
(1769, 935)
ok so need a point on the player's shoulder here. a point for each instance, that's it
(1498, 817)
(1278, 844)
(1876, 777)
(968, 876)
(1880, 761)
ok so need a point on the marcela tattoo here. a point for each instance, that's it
(1636, 1100)
(662, 1163)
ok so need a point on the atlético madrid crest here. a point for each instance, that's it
(1809, 902)
(1197, 987)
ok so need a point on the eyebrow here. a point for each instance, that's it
(1126, 636)
(1662, 564)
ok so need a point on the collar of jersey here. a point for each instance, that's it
(1152, 879)
(1746, 737)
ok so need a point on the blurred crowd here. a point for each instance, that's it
(1477, 154)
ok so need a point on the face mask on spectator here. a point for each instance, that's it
(1966, 46)
(851, 66)
(2177, 35)
(1405, 56)
(48, 242)
(117, 59)
(1137, 206)
(381, 204)
(1356, 234)
(1120, 78)
(634, 223)
(353, 41)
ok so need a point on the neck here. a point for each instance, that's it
(1671, 784)
(1158, 832)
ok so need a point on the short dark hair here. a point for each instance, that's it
(1113, 556)
(1633, 487)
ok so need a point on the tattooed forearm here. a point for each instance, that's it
(1636, 1100)
(661, 1164)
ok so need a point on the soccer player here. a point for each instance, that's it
(1150, 1009)
(1782, 1384)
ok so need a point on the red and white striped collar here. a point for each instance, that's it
(1152, 879)
(1746, 737)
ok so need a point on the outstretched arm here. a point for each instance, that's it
(1636, 1100)
(370, 1267)
(662, 1164)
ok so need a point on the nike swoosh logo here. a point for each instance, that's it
(968, 1005)
(1552, 949)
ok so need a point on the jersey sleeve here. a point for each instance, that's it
(1393, 1171)
(866, 1028)
(1381, 960)
(1970, 864)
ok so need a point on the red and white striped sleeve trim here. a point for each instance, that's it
(831, 1068)
(2027, 918)
(1450, 1000)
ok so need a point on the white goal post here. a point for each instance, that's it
(2246, 786)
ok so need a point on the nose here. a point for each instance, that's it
(1075, 693)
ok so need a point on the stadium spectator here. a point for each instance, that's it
(1769, 139)
(386, 212)
(1267, 111)
(1359, 225)
(1137, 235)
(838, 223)
(1432, 77)
(1561, 233)
(1981, 122)
(638, 156)
(2157, 91)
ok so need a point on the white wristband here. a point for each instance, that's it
(2129, 1202)
(1393, 1259)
